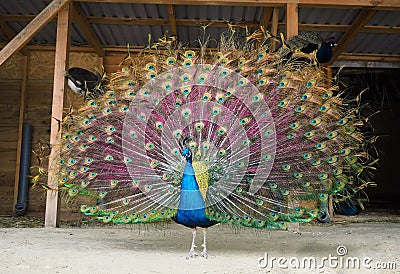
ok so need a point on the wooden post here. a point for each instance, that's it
(292, 29)
(61, 61)
(21, 120)
(265, 17)
(274, 28)
(292, 20)
(172, 20)
(328, 72)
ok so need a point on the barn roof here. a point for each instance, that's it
(366, 31)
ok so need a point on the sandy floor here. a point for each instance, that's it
(150, 249)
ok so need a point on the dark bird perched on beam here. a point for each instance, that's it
(85, 82)
(308, 42)
(325, 52)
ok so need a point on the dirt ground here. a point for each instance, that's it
(163, 248)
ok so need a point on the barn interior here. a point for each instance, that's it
(41, 39)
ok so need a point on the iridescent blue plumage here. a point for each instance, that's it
(191, 204)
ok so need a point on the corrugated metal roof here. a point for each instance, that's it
(120, 35)
(385, 18)
(327, 16)
(47, 35)
(22, 6)
(125, 10)
(193, 36)
(226, 13)
(376, 43)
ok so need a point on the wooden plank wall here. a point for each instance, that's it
(38, 112)
(10, 90)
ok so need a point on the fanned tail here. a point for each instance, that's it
(271, 140)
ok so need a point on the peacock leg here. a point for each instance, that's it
(192, 254)
(204, 252)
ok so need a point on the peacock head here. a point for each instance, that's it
(187, 153)
(331, 43)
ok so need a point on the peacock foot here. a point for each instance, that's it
(204, 253)
(192, 254)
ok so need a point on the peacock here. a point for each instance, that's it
(308, 42)
(203, 136)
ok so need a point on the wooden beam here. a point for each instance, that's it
(10, 34)
(128, 21)
(163, 22)
(274, 28)
(362, 18)
(61, 62)
(213, 23)
(172, 21)
(31, 29)
(265, 17)
(381, 29)
(351, 3)
(292, 20)
(345, 28)
(79, 17)
(369, 57)
(21, 120)
(271, 3)
(136, 49)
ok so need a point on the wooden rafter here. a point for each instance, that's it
(363, 17)
(345, 28)
(61, 62)
(213, 23)
(369, 57)
(172, 20)
(137, 49)
(292, 20)
(23, 37)
(271, 3)
(79, 17)
(10, 34)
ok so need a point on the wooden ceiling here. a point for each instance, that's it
(269, 19)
